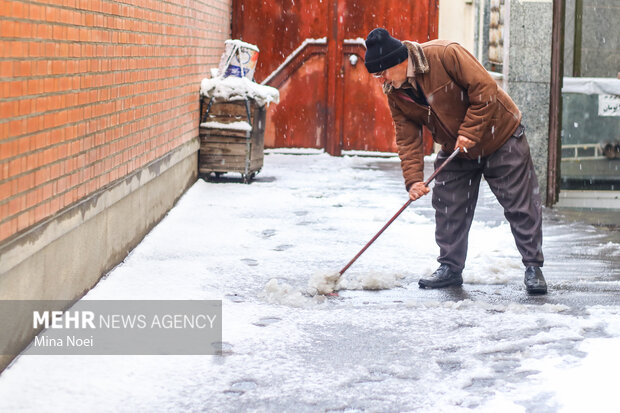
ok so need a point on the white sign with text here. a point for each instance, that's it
(609, 105)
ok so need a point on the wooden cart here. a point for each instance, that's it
(224, 144)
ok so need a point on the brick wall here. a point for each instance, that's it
(91, 90)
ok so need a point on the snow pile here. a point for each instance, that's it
(584, 382)
(326, 283)
(611, 316)
(495, 271)
(276, 293)
(588, 384)
(371, 281)
(235, 88)
(610, 249)
(322, 283)
(240, 126)
(357, 40)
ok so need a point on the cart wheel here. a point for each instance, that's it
(212, 176)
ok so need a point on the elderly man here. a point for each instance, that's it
(440, 85)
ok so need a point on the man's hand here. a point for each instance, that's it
(464, 143)
(418, 190)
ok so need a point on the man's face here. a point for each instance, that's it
(395, 75)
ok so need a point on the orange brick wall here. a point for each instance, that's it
(91, 90)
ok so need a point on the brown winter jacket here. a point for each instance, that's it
(463, 100)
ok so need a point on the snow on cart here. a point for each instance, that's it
(232, 115)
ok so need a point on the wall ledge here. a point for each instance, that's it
(20, 246)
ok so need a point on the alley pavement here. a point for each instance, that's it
(486, 346)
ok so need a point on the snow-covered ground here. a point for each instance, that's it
(487, 346)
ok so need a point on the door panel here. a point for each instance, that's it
(277, 28)
(299, 123)
(405, 20)
(367, 120)
(355, 115)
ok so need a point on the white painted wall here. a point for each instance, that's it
(456, 22)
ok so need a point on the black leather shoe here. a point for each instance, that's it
(534, 281)
(443, 277)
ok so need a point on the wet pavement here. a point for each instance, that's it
(582, 259)
(486, 346)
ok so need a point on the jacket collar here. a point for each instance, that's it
(417, 60)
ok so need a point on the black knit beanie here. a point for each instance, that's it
(383, 51)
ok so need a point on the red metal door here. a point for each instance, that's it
(305, 47)
(367, 122)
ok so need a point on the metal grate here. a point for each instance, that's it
(582, 151)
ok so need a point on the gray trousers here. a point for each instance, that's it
(510, 174)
